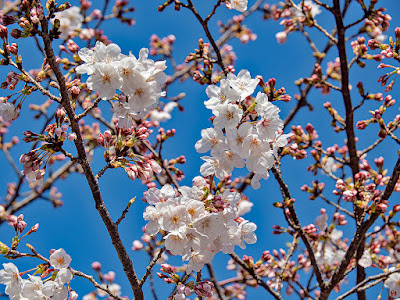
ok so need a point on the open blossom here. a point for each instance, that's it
(220, 94)
(246, 230)
(309, 5)
(211, 139)
(243, 83)
(114, 288)
(239, 5)
(322, 222)
(8, 112)
(9, 276)
(32, 288)
(164, 114)
(227, 116)
(212, 166)
(365, 260)
(154, 195)
(59, 259)
(393, 284)
(70, 20)
(175, 242)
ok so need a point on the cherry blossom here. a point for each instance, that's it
(59, 259)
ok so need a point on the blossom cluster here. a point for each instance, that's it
(140, 79)
(247, 131)
(197, 224)
(35, 288)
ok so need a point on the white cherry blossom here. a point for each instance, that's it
(239, 5)
(220, 95)
(227, 116)
(246, 230)
(9, 276)
(209, 225)
(322, 222)
(105, 80)
(243, 83)
(8, 112)
(237, 139)
(211, 139)
(175, 218)
(365, 261)
(70, 20)
(175, 242)
(59, 259)
(393, 284)
(212, 166)
(154, 195)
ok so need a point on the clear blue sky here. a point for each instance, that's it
(76, 226)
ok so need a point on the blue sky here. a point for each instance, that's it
(76, 226)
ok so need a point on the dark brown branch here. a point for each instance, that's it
(150, 266)
(209, 36)
(215, 282)
(91, 179)
(36, 194)
(295, 223)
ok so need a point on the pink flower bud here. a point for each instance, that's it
(3, 32)
(96, 266)
(137, 245)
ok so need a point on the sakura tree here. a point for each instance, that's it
(97, 116)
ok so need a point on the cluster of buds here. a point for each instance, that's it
(377, 114)
(300, 140)
(314, 191)
(200, 288)
(107, 282)
(242, 32)
(228, 56)
(32, 163)
(273, 93)
(337, 120)
(377, 23)
(120, 10)
(360, 49)
(385, 78)
(317, 79)
(124, 149)
(162, 46)
(11, 81)
(19, 226)
(122, 143)
(203, 75)
(142, 170)
(292, 15)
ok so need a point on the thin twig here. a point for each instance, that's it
(369, 279)
(336, 205)
(215, 282)
(89, 109)
(11, 161)
(297, 226)
(150, 266)
(293, 246)
(259, 280)
(34, 82)
(126, 210)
